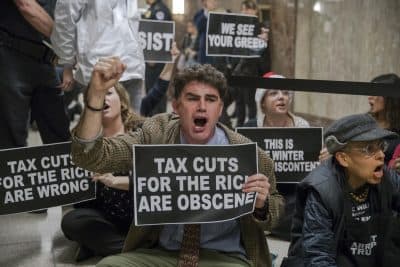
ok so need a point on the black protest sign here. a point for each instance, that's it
(233, 35)
(192, 183)
(295, 151)
(156, 39)
(33, 178)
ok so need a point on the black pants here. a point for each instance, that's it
(245, 98)
(288, 191)
(29, 88)
(89, 228)
(152, 74)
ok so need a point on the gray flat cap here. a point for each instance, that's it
(359, 127)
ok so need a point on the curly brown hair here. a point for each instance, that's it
(201, 73)
(130, 119)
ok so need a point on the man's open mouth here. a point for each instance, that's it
(200, 122)
(105, 106)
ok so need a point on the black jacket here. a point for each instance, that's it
(324, 187)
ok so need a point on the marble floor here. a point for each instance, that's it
(29, 239)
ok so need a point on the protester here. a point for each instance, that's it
(29, 85)
(346, 207)
(189, 47)
(197, 103)
(244, 100)
(87, 30)
(112, 212)
(386, 112)
(157, 10)
(161, 85)
(200, 20)
(273, 106)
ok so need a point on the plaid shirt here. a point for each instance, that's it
(115, 155)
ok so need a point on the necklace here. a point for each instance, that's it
(360, 197)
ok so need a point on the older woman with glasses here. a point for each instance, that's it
(347, 208)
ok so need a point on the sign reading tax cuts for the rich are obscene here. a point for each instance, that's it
(156, 39)
(233, 35)
(33, 178)
(295, 151)
(176, 184)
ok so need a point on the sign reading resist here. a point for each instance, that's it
(176, 184)
(156, 39)
(295, 151)
(33, 178)
(233, 35)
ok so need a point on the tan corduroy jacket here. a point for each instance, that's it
(115, 155)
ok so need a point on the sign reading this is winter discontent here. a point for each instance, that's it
(176, 184)
(295, 151)
(33, 178)
(156, 39)
(233, 35)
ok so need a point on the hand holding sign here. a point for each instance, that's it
(258, 183)
(264, 35)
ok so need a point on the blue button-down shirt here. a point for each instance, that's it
(221, 236)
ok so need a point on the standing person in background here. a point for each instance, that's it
(157, 11)
(223, 64)
(86, 30)
(200, 20)
(189, 47)
(161, 85)
(28, 80)
(245, 104)
(100, 226)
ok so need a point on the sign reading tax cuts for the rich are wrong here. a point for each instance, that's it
(156, 39)
(176, 184)
(233, 35)
(33, 178)
(295, 151)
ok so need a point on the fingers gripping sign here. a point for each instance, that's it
(258, 183)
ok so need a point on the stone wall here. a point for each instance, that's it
(344, 40)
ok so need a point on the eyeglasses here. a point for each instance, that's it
(371, 148)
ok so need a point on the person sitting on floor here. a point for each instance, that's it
(197, 104)
(100, 226)
(347, 208)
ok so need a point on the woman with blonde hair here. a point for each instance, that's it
(100, 226)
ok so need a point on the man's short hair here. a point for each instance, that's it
(201, 73)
